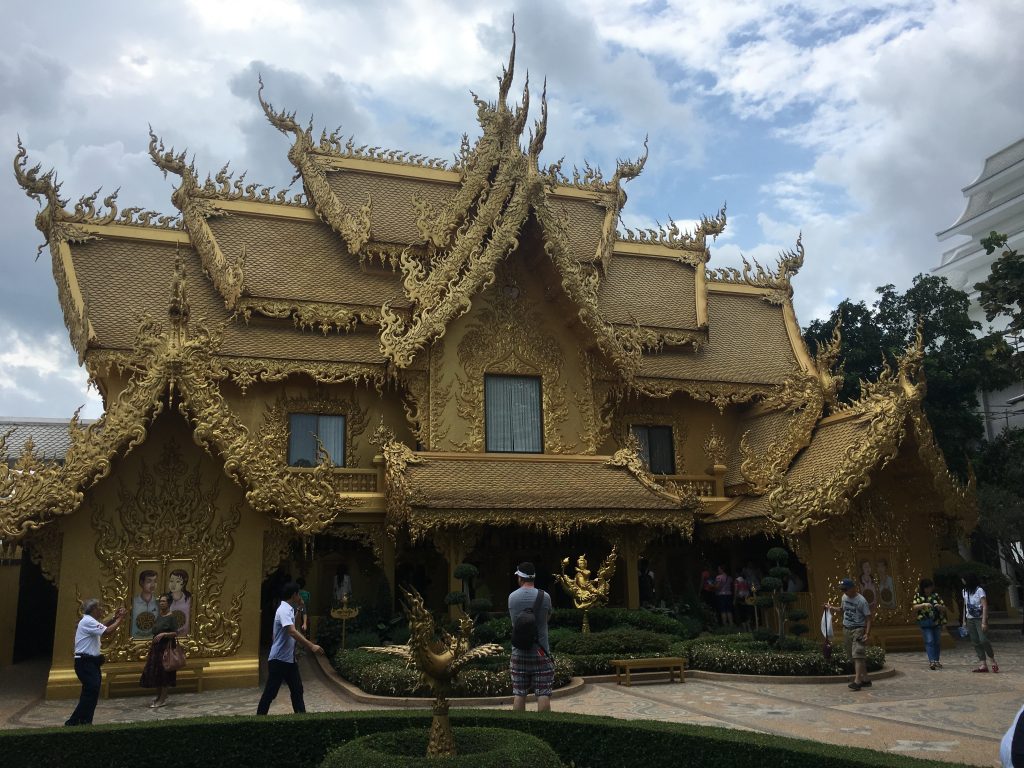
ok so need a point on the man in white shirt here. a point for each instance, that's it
(88, 658)
(281, 666)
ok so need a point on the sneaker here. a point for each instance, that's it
(995, 667)
(866, 684)
(938, 665)
(854, 686)
(980, 669)
(933, 665)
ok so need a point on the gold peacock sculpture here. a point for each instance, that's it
(439, 657)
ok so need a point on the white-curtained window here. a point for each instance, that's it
(512, 407)
(656, 448)
(304, 428)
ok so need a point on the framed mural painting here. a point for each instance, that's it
(146, 590)
(876, 579)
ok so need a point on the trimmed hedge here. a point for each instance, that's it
(475, 748)
(382, 675)
(617, 618)
(586, 741)
(613, 641)
(743, 655)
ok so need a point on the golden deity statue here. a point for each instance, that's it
(439, 657)
(587, 593)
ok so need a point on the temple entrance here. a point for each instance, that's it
(37, 613)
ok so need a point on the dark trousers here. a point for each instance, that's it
(88, 671)
(282, 672)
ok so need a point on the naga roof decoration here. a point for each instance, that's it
(175, 363)
(679, 239)
(754, 274)
(877, 423)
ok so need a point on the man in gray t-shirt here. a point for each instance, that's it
(856, 630)
(533, 668)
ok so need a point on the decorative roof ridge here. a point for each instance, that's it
(778, 283)
(196, 206)
(800, 394)
(60, 225)
(676, 238)
(475, 229)
(628, 458)
(352, 226)
(324, 316)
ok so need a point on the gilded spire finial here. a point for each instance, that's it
(825, 359)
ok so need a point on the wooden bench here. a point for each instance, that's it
(122, 678)
(671, 663)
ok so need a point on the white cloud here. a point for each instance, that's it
(42, 373)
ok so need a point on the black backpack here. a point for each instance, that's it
(524, 628)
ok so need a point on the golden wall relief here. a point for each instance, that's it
(440, 395)
(720, 395)
(277, 544)
(371, 535)
(416, 404)
(506, 337)
(871, 546)
(170, 533)
(44, 549)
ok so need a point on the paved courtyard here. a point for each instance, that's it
(951, 714)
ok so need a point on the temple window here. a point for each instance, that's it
(514, 422)
(656, 448)
(305, 428)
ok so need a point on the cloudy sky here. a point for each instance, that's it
(855, 123)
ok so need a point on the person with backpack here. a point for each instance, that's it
(531, 665)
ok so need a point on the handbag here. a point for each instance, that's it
(173, 658)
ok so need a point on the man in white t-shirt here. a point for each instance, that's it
(281, 666)
(88, 658)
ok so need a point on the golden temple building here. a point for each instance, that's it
(416, 363)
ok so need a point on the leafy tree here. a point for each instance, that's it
(1002, 294)
(1000, 470)
(956, 364)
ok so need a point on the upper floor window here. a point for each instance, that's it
(656, 448)
(512, 407)
(305, 428)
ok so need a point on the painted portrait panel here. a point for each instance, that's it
(146, 590)
(876, 579)
(180, 575)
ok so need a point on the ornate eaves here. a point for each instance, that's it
(352, 226)
(628, 458)
(310, 315)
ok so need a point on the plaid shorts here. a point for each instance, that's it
(532, 670)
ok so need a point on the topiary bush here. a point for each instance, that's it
(476, 747)
(494, 631)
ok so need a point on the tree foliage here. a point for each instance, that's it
(956, 363)
(1000, 470)
(1002, 294)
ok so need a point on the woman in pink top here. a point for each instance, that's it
(723, 596)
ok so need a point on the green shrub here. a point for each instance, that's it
(360, 638)
(616, 641)
(609, 618)
(711, 655)
(493, 631)
(601, 663)
(383, 675)
(476, 748)
(583, 740)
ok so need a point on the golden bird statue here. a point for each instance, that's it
(439, 657)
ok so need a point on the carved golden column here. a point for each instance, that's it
(715, 450)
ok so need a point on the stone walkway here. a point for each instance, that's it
(950, 714)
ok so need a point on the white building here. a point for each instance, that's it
(995, 201)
